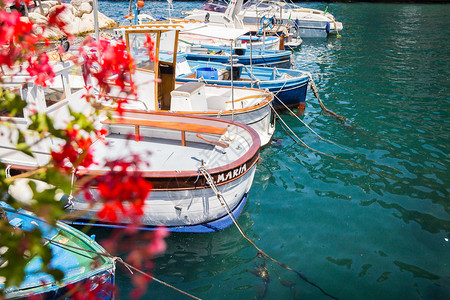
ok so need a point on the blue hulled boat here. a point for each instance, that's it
(74, 253)
(288, 85)
(258, 57)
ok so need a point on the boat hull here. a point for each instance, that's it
(184, 209)
(258, 118)
(289, 91)
(291, 94)
(76, 264)
(207, 227)
(279, 60)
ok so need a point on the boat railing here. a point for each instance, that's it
(180, 126)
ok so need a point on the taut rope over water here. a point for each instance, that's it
(307, 126)
(222, 201)
(326, 110)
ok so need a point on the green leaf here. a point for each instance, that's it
(55, 177)
(11, 103)
(42, 123)
(25, 148)
(82, 121)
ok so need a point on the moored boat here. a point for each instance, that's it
(289, 86)
(304, 22)
(245, 56)
(228, 15)
(183, 148)
(255, 14)
(74, 253)
(157, 90)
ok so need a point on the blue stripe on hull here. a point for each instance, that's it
(212, 226)
(279, 61)
(292, 93)
(291, 97)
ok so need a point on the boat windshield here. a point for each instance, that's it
(214, 5)
(253, 4)
(140, 52)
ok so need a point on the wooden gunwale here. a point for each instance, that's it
(162, 180)
(183, 127)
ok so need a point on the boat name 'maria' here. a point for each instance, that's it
(232, 174)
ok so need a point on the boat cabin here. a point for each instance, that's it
(159, 67)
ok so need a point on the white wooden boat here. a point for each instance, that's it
(225, 18)
(229, 15)
(304, 22)
(181, 147)
(245, 105)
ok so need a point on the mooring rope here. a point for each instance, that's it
(127, 265)
(223, 202)
(307, 126)
(105, 254)
(316, 93)
(349, 163)
(275, 94)
(330, 112)
(299, 140)
(336, 28)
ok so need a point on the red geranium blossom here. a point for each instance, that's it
(74, 153)
(123, 190)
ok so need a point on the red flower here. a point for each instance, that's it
(74, 153)
(54, 18)
(114, 67)
(123, 190)
(39, 67)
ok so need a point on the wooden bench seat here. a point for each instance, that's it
(183, 127)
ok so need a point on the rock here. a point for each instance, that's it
(53, 33)
(51, 3)
(78, 3)
(84, 8)
(70, 8)
(46, 5)
(78, 17)
(67, 17)
(103, 21)
(85, 27)
(37, 18)
(37, 29)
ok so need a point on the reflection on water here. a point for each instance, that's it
(427, 222)
(371, 224)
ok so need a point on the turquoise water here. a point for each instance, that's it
(369, 223)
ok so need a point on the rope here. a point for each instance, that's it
(213, 186)
(302, 143)
(127, 265)
(337, 31)
(307, 126)
(299, 139)
(275, 94)
(316, 93)
(326, 110)
(105, 254)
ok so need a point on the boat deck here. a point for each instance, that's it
(164, 154)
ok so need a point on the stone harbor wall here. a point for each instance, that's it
(78, 16)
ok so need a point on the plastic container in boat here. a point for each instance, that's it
(208, 73)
